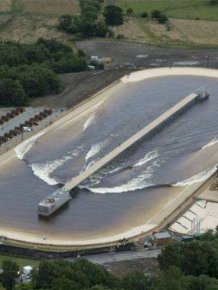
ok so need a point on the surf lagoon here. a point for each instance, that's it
(125, 197)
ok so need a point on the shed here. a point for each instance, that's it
(162, 238)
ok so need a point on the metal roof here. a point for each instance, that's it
(162, 235)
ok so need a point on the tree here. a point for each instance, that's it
(11, 93)
(129, 11)
(64, 284)
(162, 19)
(46, 274)
(213, 2)
(101, 29)
(171, 279)
(144, 15)
(113, 15)
(135, 281)
(10, 273)
(65, 21)
(155, 14)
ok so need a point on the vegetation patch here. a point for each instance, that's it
(49, 7)
(186, 9)
(31, 70)
(5, 5)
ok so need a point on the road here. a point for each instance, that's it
(102, 259)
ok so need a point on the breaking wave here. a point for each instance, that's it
(140, 182)
(88, 122)
(44, 170)
(95, 149)
(25, 146)
(211, 143)
(202, 176)
(148, 157)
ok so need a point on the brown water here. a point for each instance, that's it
(119, 196)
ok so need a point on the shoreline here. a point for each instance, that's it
(159, 221)
(161, 218)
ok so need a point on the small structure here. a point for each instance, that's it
(162, 238)
(27, 270)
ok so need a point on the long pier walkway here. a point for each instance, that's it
(154, 125)
(55, 200)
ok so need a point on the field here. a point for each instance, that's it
(5, 5)
(49, 7)
(20, 261)
(191, 22)
(27, 20)
(184, 9)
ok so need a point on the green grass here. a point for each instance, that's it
(186, 9)
(20, 261)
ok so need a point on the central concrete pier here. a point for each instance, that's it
(153, 126)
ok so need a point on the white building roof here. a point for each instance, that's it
(162, 235)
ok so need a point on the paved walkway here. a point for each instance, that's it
(102, 259)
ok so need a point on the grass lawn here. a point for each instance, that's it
(20, 261)
(185, 9)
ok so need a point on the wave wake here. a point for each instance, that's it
(95, 149)
(88, 122)
(201, 176)
(140, 182)
(22, 149)
(148, 157)
(44, 170)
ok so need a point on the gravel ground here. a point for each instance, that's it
(136, 55)
(126, 57)
(146, 265)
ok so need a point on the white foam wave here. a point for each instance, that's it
(114, 170)
(88, 122)
(202, 176)
(44, 170)
(95, 149)
(211, 143)
(183, 63)
(25, 146)
(139, 182)
(148, 157)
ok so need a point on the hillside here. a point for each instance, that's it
(27, 20)
(191, 22)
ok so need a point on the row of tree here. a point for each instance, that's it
(183, 266)
(87, 24)
(31, 70)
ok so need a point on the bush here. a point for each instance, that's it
(144, 15)
(162, 19)
(129, 11)
(155, 14)
(101, 29)
(120, 36)
(213, 2)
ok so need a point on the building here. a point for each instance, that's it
(162, 238)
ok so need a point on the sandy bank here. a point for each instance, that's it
(173, 71)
